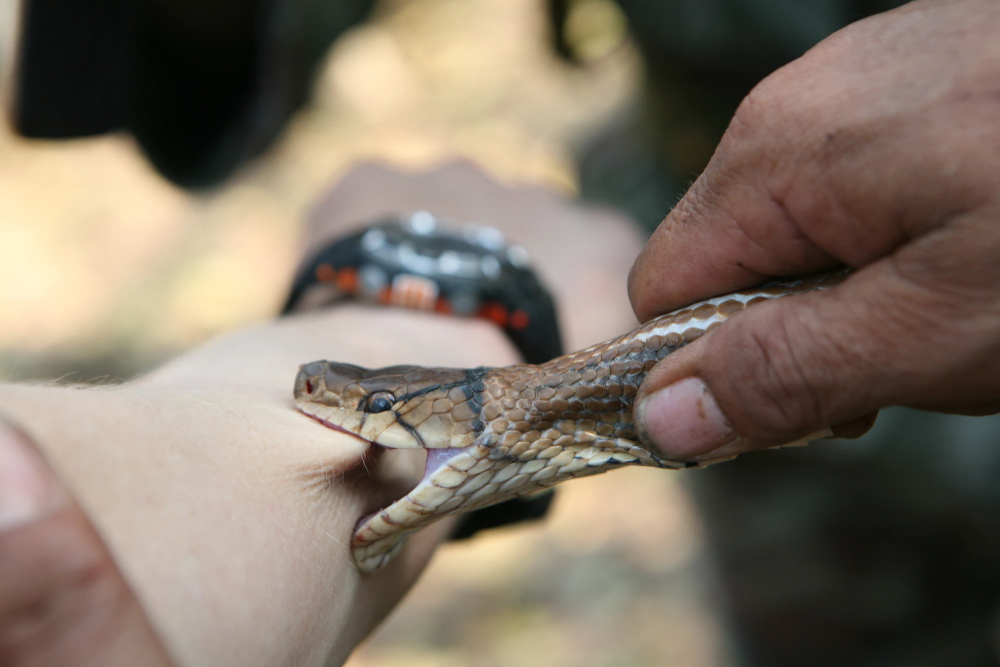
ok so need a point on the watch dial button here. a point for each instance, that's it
(490, 266)
(373, 239)
(371, 281)
(423, 223)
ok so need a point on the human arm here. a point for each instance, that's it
(227, 511)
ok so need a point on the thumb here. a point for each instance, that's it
(62, 600)
(794, 367)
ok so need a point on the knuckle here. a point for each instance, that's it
(767, 106)
(753, 111)
(367, 171)
(638, 289)
(700, 202)
(783, 383)
(647, 281)
(362, 178)
(772, 383)
(643, 300)
(778, 110)
(457, 166)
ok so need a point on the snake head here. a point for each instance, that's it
(401, 407)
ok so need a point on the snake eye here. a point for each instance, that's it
(380, 402)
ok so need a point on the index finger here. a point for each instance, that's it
(728, 232)
(818, 167)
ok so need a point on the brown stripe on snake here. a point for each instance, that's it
(495, 433)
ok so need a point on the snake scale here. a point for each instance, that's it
(495, 433)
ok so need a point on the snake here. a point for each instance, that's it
(493, 433)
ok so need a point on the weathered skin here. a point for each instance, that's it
(496, 433)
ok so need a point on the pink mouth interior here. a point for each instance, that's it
(437, 458)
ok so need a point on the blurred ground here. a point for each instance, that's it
(103, 260)
(106, 269)
(614, 577)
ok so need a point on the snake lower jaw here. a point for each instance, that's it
(379, 536)
(399, 509)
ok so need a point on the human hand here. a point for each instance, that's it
(879, 149)
(62, 599)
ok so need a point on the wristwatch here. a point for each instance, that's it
(417, 261)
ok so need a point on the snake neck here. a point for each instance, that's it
(495, 433)
(579, 400)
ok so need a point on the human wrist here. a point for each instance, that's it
(262, 360)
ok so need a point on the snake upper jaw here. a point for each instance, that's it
(436, 457)
(379, 428)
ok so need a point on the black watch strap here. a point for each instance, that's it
(450, 272)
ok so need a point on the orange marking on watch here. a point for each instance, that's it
(418, 292)
(326, 273)
(496, 312)
(347, 280)
(519, 319)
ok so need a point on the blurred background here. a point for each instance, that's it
(879, 552)
(107, 267)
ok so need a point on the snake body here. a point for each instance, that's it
(495, 433)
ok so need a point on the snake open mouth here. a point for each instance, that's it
(401, 494)
(436, 458)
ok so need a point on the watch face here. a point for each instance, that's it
(422, 264)
(423, 246)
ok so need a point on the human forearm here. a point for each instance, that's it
(229, 511)
(225, 508)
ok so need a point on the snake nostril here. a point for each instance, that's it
(309, 386)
